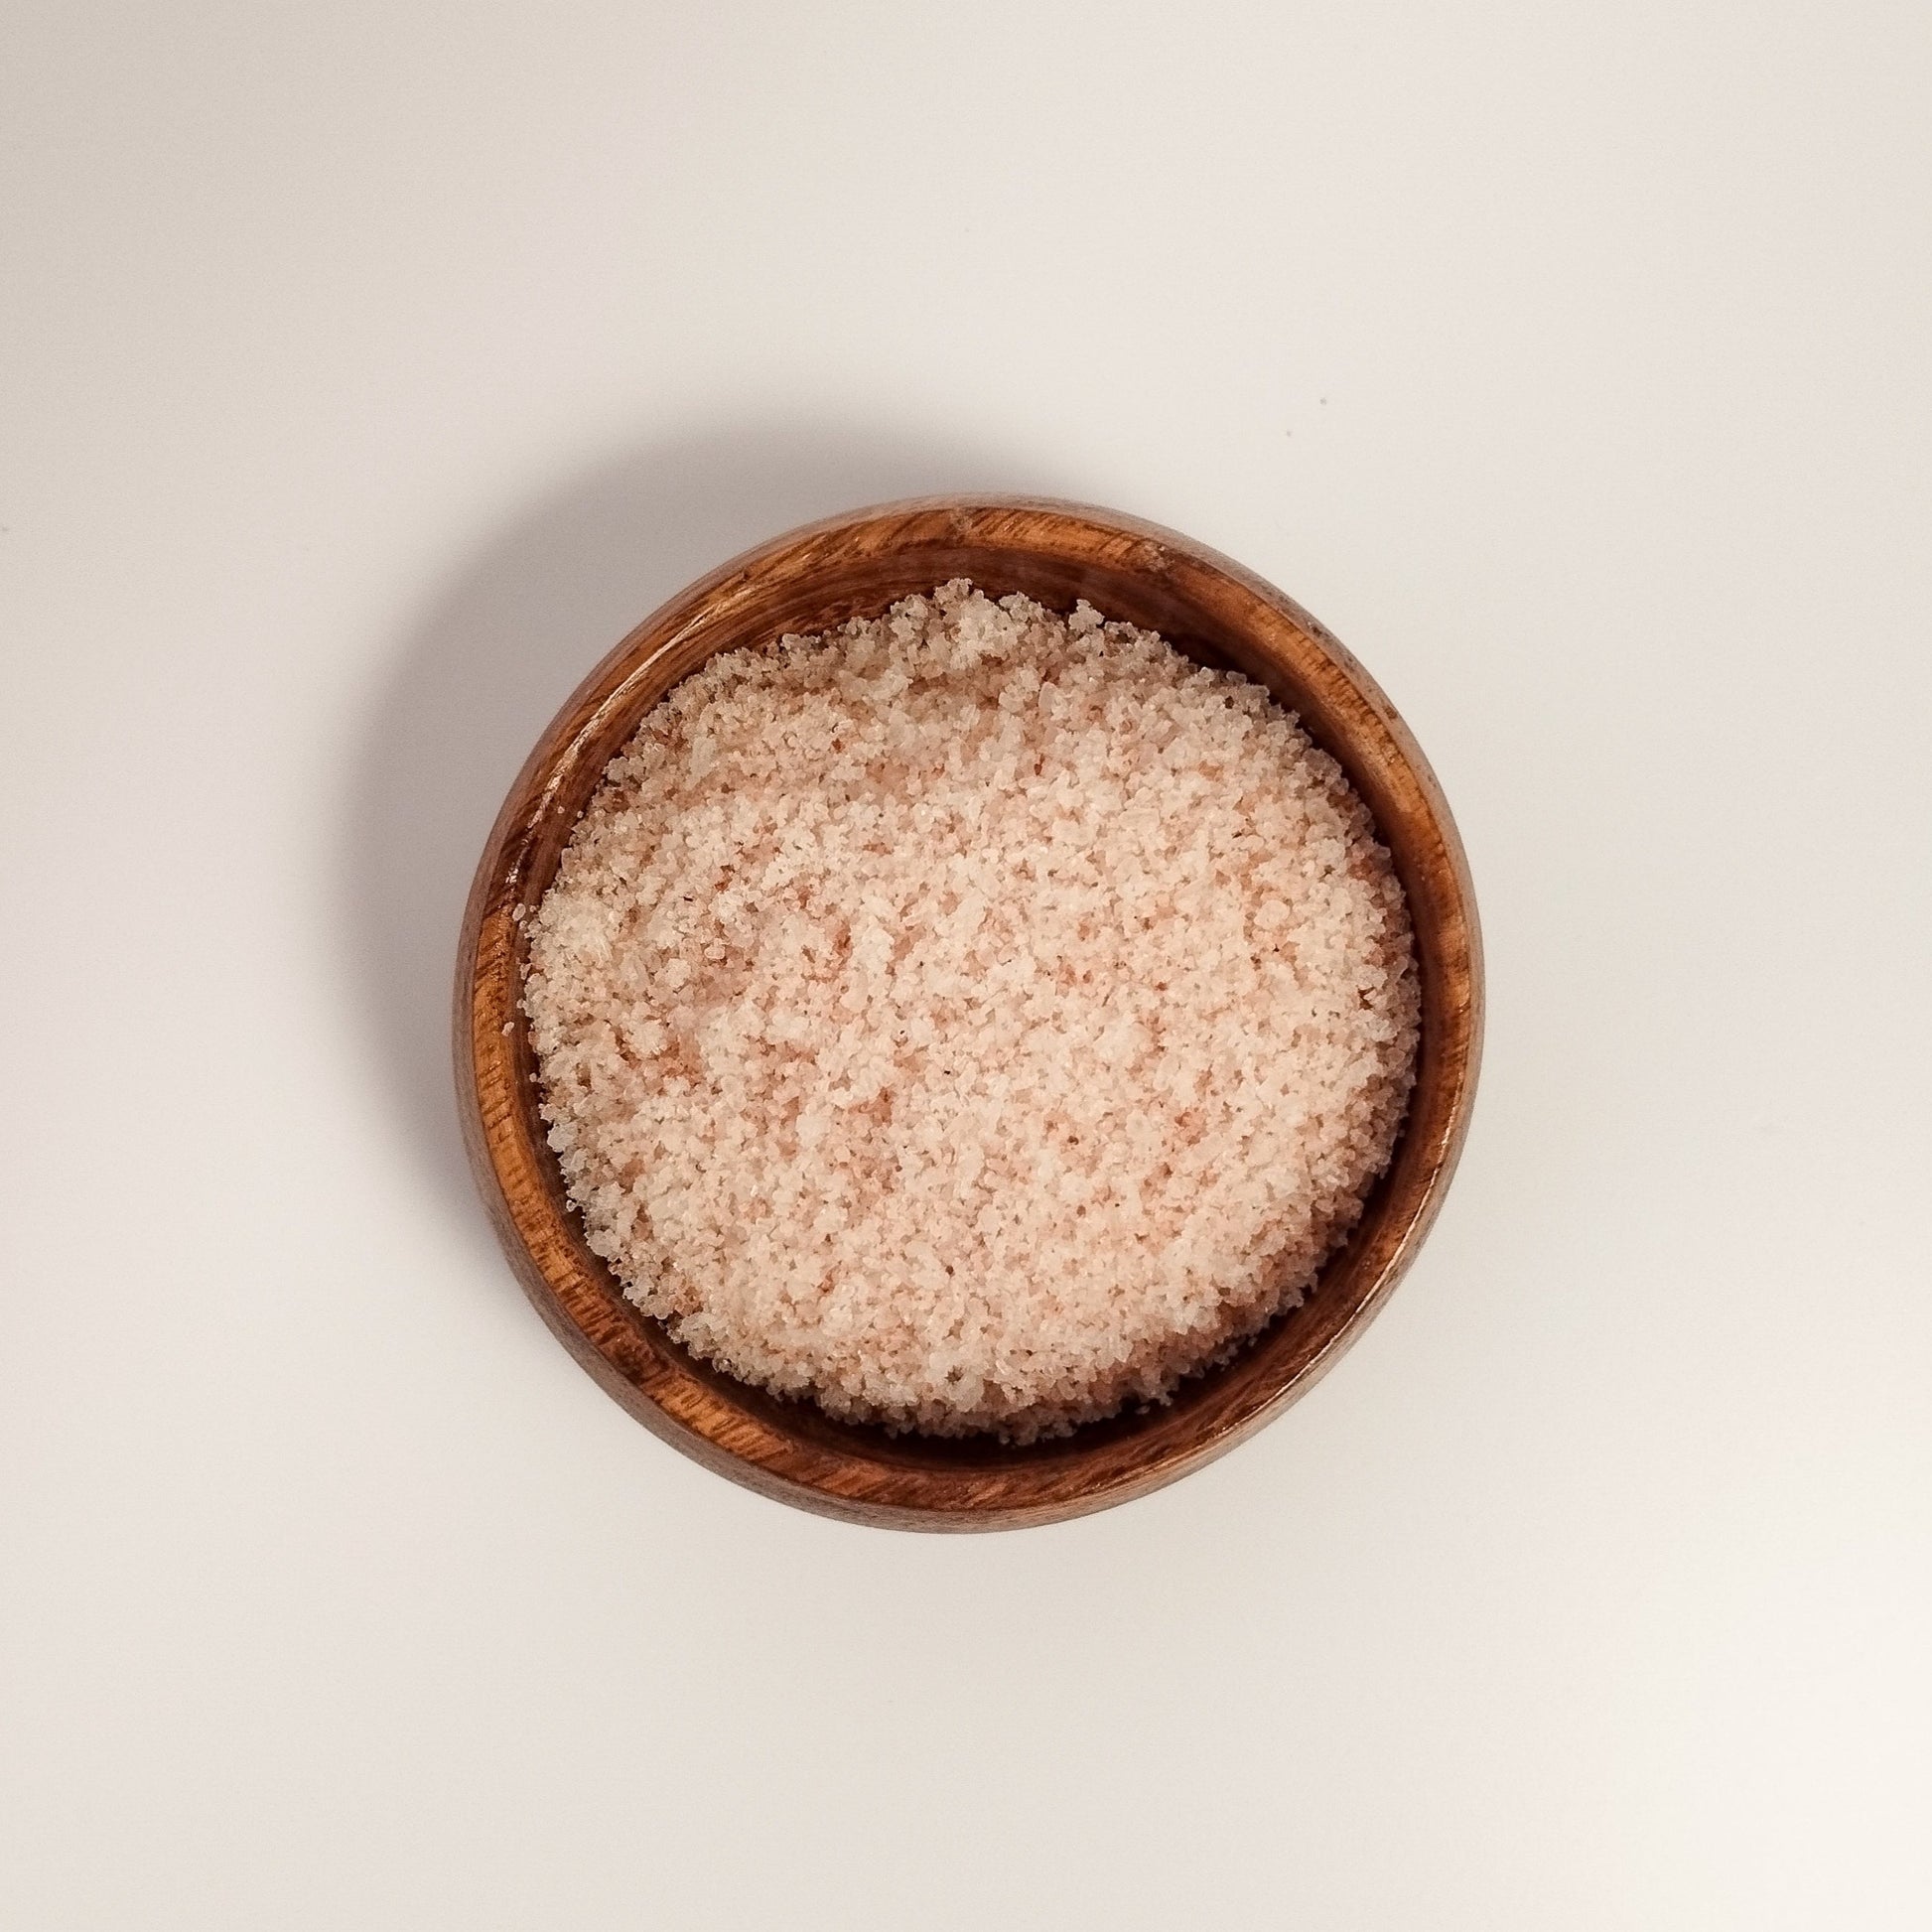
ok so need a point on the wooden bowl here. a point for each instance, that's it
(805, 581)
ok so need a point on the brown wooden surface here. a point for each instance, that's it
(855, 566)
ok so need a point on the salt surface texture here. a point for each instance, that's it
(975, 1019)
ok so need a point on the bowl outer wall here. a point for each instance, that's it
(806, 581)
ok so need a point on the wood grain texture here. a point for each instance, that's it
(856, 565)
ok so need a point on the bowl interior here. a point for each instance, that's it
(809, 582)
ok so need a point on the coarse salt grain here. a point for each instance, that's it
(975, 1019)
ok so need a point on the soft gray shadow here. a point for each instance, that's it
(520, 622)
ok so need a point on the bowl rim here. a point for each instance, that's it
(790, 1450)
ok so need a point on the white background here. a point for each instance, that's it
(366, 369)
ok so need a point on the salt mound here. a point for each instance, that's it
(974, 1020)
